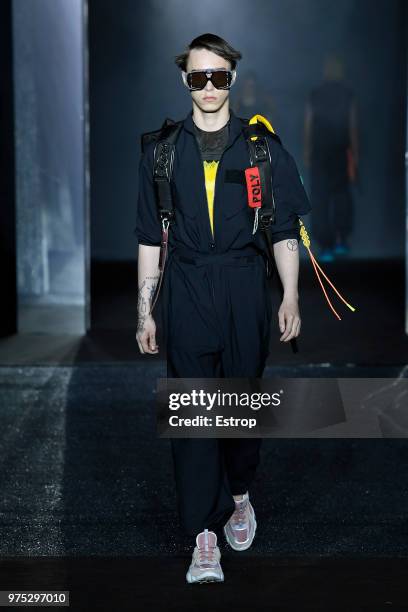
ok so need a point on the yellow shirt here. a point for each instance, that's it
(210, 171)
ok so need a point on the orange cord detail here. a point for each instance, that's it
(306, 241)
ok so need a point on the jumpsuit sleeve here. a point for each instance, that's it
(148, 228)
(290, 197)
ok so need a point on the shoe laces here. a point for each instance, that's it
(239, 517)
(206, 556)
(206, 553)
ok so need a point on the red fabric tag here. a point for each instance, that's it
(253, 182)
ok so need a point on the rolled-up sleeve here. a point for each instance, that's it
(290, 196)
(147, 229)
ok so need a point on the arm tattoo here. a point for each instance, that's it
(144, 299)
(292, 244)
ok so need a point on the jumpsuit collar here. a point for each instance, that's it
(234, 131)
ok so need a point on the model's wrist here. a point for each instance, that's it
(291, 295)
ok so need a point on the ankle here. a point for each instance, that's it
(240, 497)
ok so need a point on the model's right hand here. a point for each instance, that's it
(146, 335)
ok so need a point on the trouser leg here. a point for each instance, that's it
(208, 471)
(203, 493)
(245, 356)
(241, 456)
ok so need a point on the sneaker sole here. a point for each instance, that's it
(236, 546)
(206, 577)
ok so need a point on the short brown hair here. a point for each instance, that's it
(213, 43)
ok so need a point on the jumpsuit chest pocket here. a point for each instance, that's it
(235, 198)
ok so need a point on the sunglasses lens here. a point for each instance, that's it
(221, 79)
(197, 80)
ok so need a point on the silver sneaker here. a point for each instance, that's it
(240, 529)
(205, 565)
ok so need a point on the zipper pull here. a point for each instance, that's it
(255, 221)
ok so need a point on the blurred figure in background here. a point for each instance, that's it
(331, 154)
(252, 99)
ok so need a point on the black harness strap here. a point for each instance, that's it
(163, 160)
(260, 156)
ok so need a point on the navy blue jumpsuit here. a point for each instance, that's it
(217, 303)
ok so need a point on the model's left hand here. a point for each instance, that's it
(289, 319)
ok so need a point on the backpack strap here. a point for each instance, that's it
(256, 136)
(153, 136)
(163, 160)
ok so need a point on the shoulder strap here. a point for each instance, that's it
(163, 159)
(155, 135)
(257, 129)
(259, 155)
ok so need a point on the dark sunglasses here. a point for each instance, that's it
(221, 79)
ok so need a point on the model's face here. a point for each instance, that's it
(210, 99)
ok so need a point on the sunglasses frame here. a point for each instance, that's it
(207, 72)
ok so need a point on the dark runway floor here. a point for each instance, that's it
(251, 583)
(83, 472)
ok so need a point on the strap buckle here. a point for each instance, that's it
(166, 216)
(266, 217)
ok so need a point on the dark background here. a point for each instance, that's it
(134, 85)
(83, 472)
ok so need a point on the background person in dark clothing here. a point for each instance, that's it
(216, 295)
(252, 98)
(331, 153)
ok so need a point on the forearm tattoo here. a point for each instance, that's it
(292, 244)
(144, 299)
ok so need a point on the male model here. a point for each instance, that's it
(218, 308)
